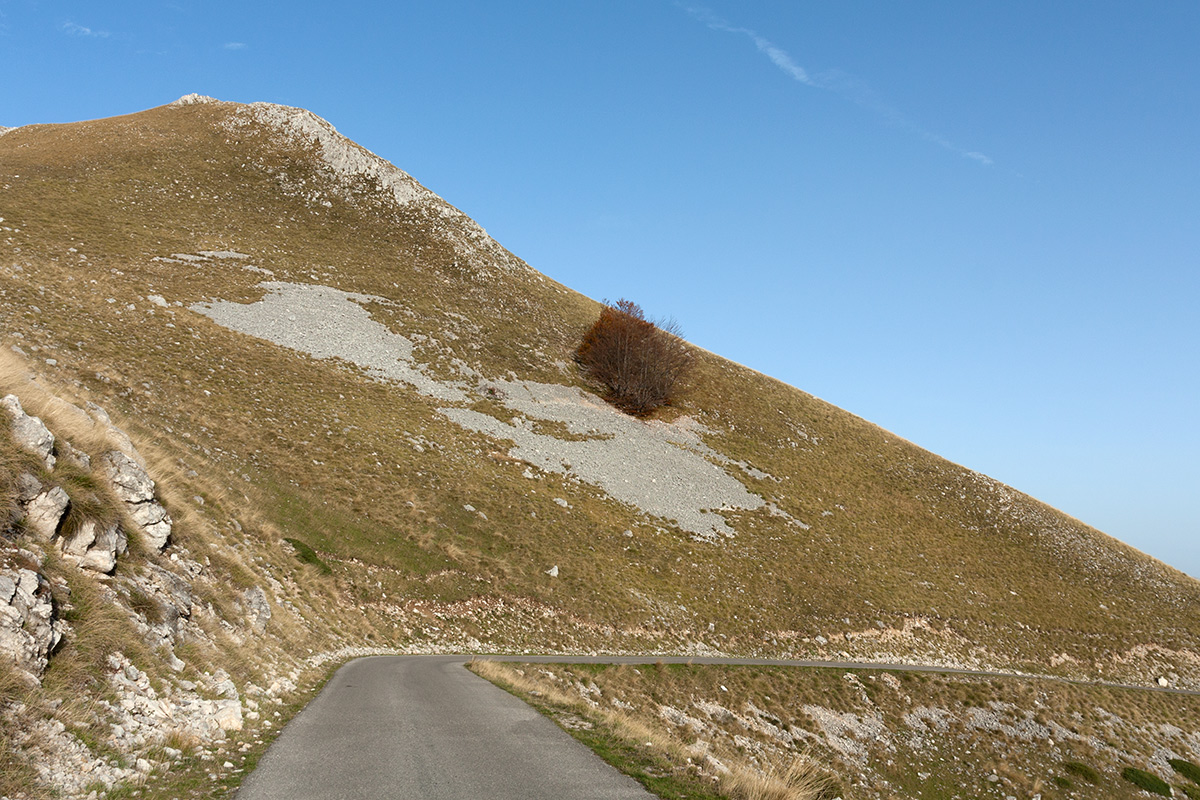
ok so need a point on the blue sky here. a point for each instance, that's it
(975, 224)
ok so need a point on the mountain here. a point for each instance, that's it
(362, 414)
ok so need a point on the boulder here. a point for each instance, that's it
(154, 521)
(44, 512)
(129, 481)
(28, 487)
(30, 433)
(258, 610)
(74, 455)
(177, 591)
(28, 630)
(95, 545)
(227, 714)
(133, 485)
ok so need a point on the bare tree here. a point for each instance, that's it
(639, 362)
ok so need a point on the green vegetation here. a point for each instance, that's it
(1186, 768)
(1087, 773)
(1146, 780)
(309, 556)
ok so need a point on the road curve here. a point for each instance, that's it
(425, 727)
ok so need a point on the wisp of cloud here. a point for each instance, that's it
(847, 86)
(80, 30)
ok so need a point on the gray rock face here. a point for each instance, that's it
(173, 596)
(28, 630)
(44, 512)
(129, 480)
(28, 487)
(258, 610)
(131, 483)
(30, 433)
(95, 545)
(74, 455)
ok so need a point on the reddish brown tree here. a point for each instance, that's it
(638, 362)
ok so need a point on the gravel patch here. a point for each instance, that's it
(662, 469)
(665, 470)
(328, 323)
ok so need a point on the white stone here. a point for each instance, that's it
(129, 479)
(95, 545)
(227, 714)
(30, 433)
(45, 511)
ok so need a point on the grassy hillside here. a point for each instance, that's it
(117, 231)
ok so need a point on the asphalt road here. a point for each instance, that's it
(409, 727)
(425, 727)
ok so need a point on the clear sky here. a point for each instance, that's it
(975, 224)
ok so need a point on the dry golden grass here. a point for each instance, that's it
(800, 779)
(915, 734)
(797, 777)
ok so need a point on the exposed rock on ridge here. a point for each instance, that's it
(353, 168)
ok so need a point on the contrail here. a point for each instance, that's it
(843, 84)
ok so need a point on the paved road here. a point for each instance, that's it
(425, 727)
(409, 727)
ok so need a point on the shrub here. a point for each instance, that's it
(1146, 780)
(638, 362)
(1087, 773)
(1185, 768)
(309, 556)
(1191, 792)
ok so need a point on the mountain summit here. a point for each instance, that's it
(323, 351)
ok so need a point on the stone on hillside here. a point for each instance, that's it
(131, 483)
(71, 453)
(154, 521)
(28, 487)
(28, 630)
(227, 714)
(45, 511)
(95, 545)
(176, 590)
(258, 610)
(29, 432)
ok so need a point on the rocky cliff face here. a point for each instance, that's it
(87, 544)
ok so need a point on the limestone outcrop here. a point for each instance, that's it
(44, 507)
(95, 545)
(134, 486)
(28, 630)
(30, 432)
